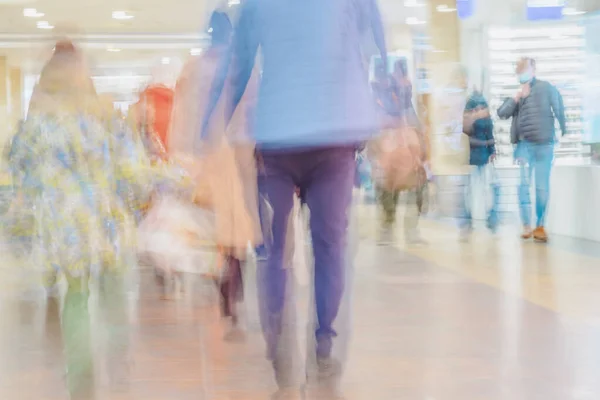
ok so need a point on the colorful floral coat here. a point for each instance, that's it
(80, 179)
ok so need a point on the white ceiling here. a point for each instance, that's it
(189, 16)
(163, 28)
(95, 16)
(159, 29)
(151, 16)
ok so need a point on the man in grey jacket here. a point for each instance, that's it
(533, 111)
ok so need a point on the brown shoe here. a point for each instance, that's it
(540, 234)
(527, 233)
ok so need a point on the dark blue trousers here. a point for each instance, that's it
(325, 178)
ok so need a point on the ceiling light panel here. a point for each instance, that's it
(32, 13)
(122, 15)
(44, 25)
(413, 4)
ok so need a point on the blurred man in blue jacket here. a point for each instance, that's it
(314, 110)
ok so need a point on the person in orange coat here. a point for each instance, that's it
(152, 118)
(222, 163)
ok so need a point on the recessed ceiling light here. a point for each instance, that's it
(165, 61)
(444, 8)
(413, 4)
(569, 11)
(44, 25)
(32, 13)
(414, 21)
(195, 51)
(121, 15)
(232, 3)
(210, 30)
(113, 49)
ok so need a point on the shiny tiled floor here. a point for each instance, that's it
(486, 320)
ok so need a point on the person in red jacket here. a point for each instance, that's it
(153, 117)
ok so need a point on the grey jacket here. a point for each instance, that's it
(533, 117)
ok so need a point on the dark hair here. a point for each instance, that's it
(220, 28)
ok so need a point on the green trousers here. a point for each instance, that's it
(416, 203)
(388, 200)
(77, 338)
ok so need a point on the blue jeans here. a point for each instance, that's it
(485, 175)
(534, 158)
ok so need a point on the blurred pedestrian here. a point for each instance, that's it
(312, 114)
(222, 162)
(399, 153)
(417, 197)
(533, 110)
(151, 117)
(478, 125)
(70, 164)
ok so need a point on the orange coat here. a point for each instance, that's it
(223, 163)
(156, 105)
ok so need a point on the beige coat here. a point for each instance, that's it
(223, 165)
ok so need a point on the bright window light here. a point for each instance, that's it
(444, 8)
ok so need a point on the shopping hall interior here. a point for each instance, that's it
(450, 315)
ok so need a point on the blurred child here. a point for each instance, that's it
(478, 125)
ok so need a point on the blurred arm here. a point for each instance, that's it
(508, 109)
(378, 31)
(478, 142)
(468, 120)
(245, 47)
(491, 140)
(558, 108)
(469, 117)
(238, 64)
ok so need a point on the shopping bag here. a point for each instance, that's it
(398, 157)
(178, 236)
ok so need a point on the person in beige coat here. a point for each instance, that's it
(222, 163)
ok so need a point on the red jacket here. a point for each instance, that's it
(158, 101)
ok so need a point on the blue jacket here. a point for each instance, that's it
(314, 89)
(481, 137)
